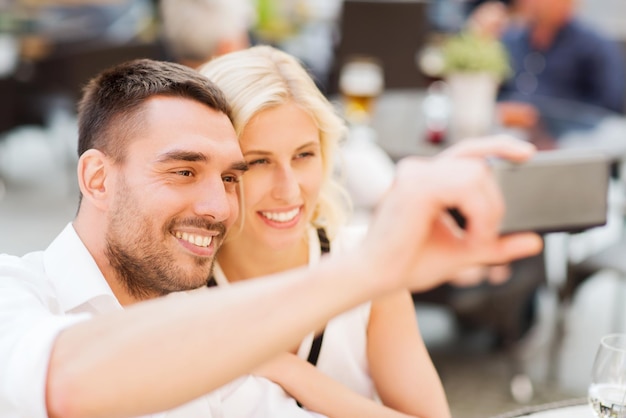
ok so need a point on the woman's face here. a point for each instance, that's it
(281, 188)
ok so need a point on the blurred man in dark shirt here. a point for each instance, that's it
(554, 55)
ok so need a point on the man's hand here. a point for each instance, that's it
(501, 146)
(412, 234)
(475, 275)
(517, 114)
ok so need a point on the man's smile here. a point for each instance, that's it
(195, 239)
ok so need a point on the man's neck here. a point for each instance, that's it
(95, 244)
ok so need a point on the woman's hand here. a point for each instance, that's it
(320, 393)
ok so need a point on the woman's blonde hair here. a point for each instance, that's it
(263, 77)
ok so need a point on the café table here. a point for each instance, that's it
(571, 408)
(581, 411)
(399, 119)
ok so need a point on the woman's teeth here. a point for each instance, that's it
(281, 216)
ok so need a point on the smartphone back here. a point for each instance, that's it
(556, 191)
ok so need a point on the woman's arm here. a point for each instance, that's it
(401, 368)
(319, 392)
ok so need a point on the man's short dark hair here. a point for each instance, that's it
(112, 103)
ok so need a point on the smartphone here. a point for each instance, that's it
(555, 191)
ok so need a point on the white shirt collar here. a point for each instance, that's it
(79, 283)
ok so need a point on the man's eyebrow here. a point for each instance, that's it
(177, 155)
(194, 156)
(240, 166)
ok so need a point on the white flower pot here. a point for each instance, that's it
(472, 97)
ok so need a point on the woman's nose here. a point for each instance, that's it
(286, 184)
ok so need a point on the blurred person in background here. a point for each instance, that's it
(52, 38)
(554, 55)
(55, 47)
(60, 22)
(491, 18)
(196, 30)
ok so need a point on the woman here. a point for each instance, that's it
(291, 209)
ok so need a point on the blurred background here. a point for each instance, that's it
(498, 348)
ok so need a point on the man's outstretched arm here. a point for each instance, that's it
(159, 354)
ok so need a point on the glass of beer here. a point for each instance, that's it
(361, 81)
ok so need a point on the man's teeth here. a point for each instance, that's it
(281, 216)
(199, 240)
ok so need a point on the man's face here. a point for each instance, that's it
(174, 197)
(553, 13)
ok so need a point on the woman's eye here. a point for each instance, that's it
(305, 154)
(258, 161)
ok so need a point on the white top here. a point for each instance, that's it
(45, 292)
(343, 355)
(257, 397)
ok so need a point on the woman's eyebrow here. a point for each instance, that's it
(303, 146)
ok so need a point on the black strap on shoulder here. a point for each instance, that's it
(316, 345)
(324, 242)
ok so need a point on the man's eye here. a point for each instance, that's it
(230, 179)
(184, 173)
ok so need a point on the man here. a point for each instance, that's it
(84, 329)
(555, 56)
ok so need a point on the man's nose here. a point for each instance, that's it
(214, 201)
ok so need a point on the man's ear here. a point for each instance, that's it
(94, 168)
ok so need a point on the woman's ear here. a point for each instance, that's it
(93, 169)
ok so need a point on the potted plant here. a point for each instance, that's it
(467, 52)
(473, 66)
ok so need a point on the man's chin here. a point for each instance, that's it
(191, 287)
(193, 284)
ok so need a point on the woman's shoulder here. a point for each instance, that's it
(348, 236)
